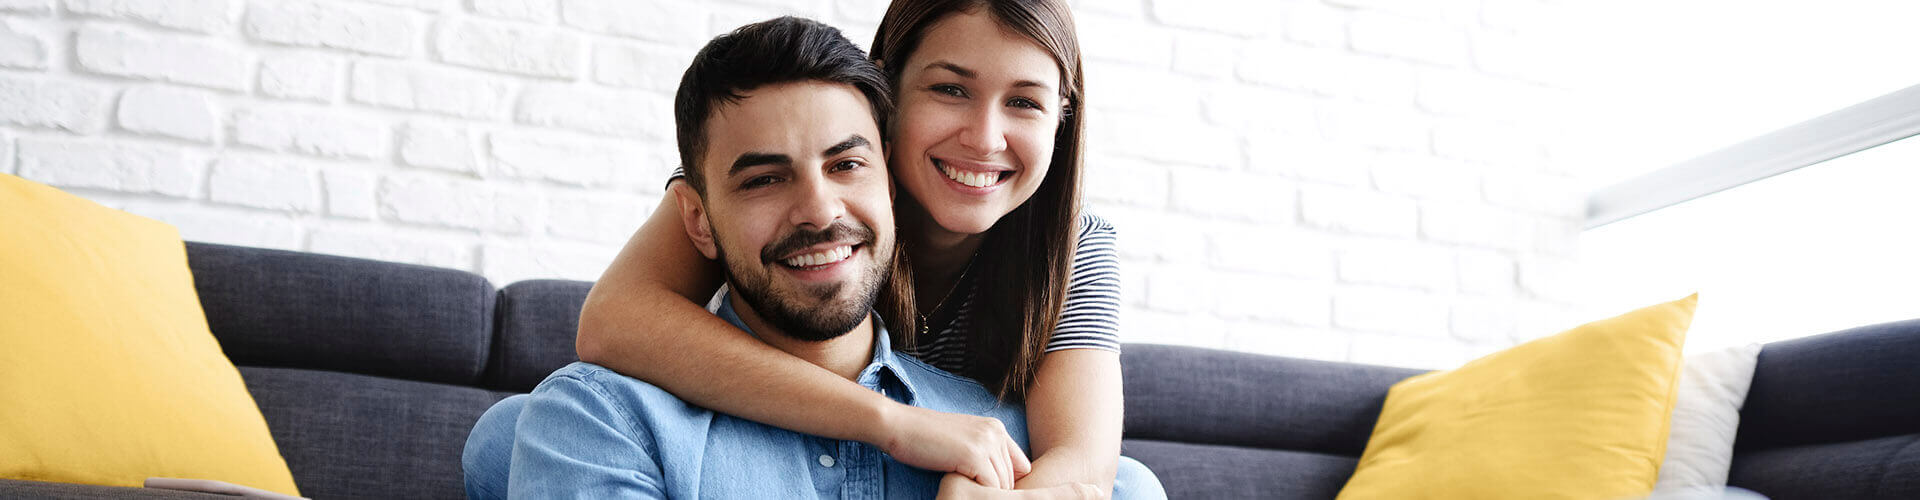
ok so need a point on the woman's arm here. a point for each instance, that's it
(1074, 404)
(1074, 419)
(643, 319)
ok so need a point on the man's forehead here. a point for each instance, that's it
(799, 119)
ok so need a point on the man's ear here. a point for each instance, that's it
(693, 215)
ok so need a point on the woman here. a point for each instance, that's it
(1011, 286)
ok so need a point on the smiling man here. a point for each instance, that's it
(787, 187)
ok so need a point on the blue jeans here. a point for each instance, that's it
(489, 452)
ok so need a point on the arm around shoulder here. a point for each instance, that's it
(644, 319)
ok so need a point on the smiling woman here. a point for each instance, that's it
(988, 172)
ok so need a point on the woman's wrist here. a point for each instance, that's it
(884, 418)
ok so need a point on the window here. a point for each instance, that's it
(1826, 247)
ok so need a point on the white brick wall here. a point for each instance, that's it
(1362, 180)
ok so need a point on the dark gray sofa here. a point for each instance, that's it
(371, 373)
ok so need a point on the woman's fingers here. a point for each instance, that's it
(1005, 464)
(987, 473)
(1021, 466)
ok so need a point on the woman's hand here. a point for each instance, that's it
(957, 487)
(971, 446)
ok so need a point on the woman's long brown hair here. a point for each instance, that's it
(1027, 256)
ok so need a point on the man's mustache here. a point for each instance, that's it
(841, 231)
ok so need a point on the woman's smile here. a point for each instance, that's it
(974, 178)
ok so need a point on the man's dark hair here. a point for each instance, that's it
(785, 49)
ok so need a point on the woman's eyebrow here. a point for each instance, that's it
(968, 73)
(955, 68)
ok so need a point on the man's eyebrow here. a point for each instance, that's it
(853, 141)
(750, 159)
(968, 73)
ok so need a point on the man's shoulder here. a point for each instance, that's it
(590, 381)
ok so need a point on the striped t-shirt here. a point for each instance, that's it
(1089, 319)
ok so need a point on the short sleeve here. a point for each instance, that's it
(679, 174)
(1090, 319)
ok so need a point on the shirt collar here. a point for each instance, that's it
(884, 372)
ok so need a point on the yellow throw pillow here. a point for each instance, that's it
(108, 373)
(1581, 414)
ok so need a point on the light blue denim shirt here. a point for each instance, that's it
(588, 432)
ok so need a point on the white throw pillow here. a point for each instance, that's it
(1706, 417)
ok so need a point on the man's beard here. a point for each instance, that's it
(787, 309)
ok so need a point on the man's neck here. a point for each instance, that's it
(845, 355)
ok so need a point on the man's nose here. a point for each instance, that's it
(819, 204)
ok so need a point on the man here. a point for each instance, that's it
(789, 190)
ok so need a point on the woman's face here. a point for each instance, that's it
(979, 106)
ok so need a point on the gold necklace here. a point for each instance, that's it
(943, 299)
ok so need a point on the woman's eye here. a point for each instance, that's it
(1022, 102)
(949, 89)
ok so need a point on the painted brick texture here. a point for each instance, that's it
(1358, 180)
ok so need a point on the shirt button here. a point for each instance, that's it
(826, 461)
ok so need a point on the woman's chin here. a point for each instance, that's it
(966, 224)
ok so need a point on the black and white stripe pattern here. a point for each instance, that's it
(1090, 319)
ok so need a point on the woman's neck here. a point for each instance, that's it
(939, 256)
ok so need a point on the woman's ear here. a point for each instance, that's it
(693, 215)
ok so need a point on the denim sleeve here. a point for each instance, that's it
(576, 441)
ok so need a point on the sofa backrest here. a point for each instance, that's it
(537, 322)
(370, 375)
(1220, 424)
(300, 310)
(1834, 416)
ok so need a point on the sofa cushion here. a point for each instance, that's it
(1839, 387)
(1215, 471)
(302, 310)
(356, 436)
(108, 374)
(1580, 414)
(538, 321)
(1195, 395)
(1869, 469)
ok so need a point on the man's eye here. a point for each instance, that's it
(949, 89)
(845, 165)
(755, 182)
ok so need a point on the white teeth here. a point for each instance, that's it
(823, 257)
(975, 179)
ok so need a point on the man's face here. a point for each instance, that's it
(798, 205)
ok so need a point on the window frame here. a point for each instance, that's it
(1856, 128)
